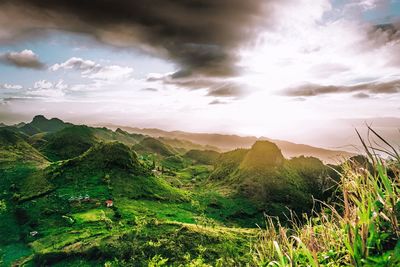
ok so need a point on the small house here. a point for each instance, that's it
(109, 203)
(33, 233)
(86, 198)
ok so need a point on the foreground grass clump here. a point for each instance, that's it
(360, 229)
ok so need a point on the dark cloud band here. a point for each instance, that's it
(363, 90)
(201, 36)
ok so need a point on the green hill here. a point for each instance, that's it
(42, 124)
(29, 129)
(207, 157)
(227, 164)
(152, 145)
(183, 145)
(68, 142)
(262, 155)
(111, 170)
(15, 149)
(263, 175)
(108, 135)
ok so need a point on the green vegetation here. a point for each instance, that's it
(68, 143)
(361, 228)
(82, 196)
(273, 183)
(206, 157)
(41, 124)
(14, 148)
(152, 145)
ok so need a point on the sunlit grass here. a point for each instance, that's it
(360, 229)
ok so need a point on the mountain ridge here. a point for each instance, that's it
(227, 142)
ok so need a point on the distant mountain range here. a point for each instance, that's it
(183, 141)
(226, 142)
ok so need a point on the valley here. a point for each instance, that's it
(78, 195)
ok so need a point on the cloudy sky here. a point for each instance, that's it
(305, 71)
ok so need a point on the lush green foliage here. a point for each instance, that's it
(272, 182)
(152, 145)
(360, 229)
(68, 143)
(174, 204)
(207, 157)
(41, 124)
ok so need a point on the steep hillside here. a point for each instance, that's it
(14, 149)
(184, 145)
(262, 155)
(119, 135)
(207, 157)
(227, 164)
(265, 176)
(42, 124)
(68, 143)
(152, 145)
(111, 169)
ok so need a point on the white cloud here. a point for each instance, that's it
(43, 84)
(311, 45)
(110, 73)
(11, 86)
(310, 42)
(75, 63)
(47, 89)
(92, 70)
(24, 59)
(365, 5)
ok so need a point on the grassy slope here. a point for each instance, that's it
(180, 215)
(68, 143)
(207, 157)
(270, 181)
(152, 145)
(14, 148)
(361, 228)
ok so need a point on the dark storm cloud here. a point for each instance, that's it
(201, 36)
(214, 86)
(23, 59)
(392, 87)
(385, 33)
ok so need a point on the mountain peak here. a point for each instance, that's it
(111, 155)
(261, 155)
(41, 124)
(39, 118)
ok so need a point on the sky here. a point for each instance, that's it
(304, 71)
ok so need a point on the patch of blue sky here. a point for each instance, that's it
(58, 46)
(386, 14)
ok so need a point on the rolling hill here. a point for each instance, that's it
(226, 142)
(152, 145)
(68, 142)
(15, 149)
(262, 174)
(41, 124)
(58, 178)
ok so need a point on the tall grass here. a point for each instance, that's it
(360, 228)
